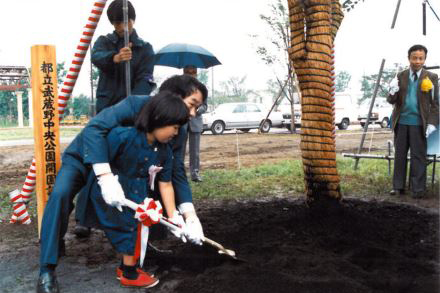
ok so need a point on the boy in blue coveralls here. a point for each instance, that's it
(110, 55)
(132, 152)
(89, 151)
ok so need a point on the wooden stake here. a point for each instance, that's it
(46, 122)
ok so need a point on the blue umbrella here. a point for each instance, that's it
(180, 55)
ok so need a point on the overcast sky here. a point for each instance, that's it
(222, 27)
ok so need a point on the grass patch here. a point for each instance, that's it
(27, 133)
(280, 178)
(286, 177)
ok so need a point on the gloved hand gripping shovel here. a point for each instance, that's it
(221, 248)
(162, 220)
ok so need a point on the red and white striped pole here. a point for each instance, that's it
(20, 214)
(69, 83)
(80, 53)
(333, 77)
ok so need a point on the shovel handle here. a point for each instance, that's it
(213, 243)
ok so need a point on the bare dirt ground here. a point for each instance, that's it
(359, 246)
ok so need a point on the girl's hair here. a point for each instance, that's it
(162, 110)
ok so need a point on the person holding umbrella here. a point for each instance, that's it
(110, 55)
(195, 128)
(189, 57)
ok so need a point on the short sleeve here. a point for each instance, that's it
(166, 161)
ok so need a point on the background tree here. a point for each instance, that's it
(342, 80)
(369, 81)
(232, 90)
(275, 53)
(78, 106)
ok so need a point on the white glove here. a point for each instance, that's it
(194, 230)
(394, 86)
(430, 129)
(111, 190)
(177, 219)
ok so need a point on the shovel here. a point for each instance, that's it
(166, 222)
(221, 248)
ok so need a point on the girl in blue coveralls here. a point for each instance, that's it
(132, 152)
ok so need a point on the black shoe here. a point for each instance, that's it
(397, 192)
(196, 178)
(81, 231)
(418, 194)
(47, 283)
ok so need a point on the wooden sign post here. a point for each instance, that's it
(46, 122)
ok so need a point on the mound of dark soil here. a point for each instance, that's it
(286, 247)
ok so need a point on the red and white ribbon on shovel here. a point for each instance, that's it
(147, 213)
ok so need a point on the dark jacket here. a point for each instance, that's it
(111, 85)
(93, 148)
(428, 102)
(130, 158)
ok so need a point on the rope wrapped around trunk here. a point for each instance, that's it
(314, 24)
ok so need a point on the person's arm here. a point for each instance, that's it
(166, 189)
(143, 74)
(180, 181)
(433, 117)
(392, 98)
(102, 54)
(111, 189)
(167, 195)
(94, 134)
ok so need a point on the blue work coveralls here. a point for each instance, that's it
(130, 158)
(111, 85)
(90, 146)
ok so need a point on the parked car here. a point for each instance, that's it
(380, 114)
(286, 109)
(242, 116)
(346, 110)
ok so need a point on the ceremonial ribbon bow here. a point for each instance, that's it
(147, 213)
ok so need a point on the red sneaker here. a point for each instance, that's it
(139, 270)
(142, 281)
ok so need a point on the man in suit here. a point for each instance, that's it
(415, 96)
(195, 128)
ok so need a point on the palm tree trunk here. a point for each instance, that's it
(314, 24)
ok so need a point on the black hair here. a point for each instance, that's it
(417, 48)
(184, 85)
(163, 109)
(115, 12)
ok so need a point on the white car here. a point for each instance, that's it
(380, 114)
(286, 110)
(346, 110)
(242, 116)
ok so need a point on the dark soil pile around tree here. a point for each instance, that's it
(362, 246)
